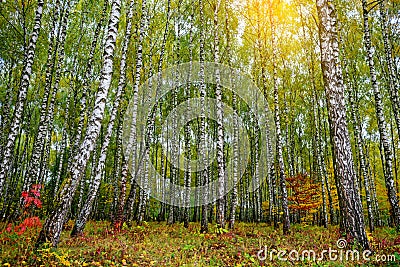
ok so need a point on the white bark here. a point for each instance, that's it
(53, 226)
(220, 127)
(382, 126)
(95, 184)
(349, 198)
(86, 81)
(132, 145)
(392, 75)
(38, 146)
(279, 149)
(204, 173)
(23, 90)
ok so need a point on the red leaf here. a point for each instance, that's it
(24, 194)
(37, 203)
(9, 228)
(35, 192)
(21, 231)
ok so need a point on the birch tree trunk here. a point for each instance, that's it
(319, 158)
(384, 138)
(325, 151)
(59, 172)
(53, 226)
(159, 69)
(86, 82)
(132, 146)
(174, 172)
(220, 121)
(393, 81)
(349, 198)
(188, 147)
(371, 174)
(269, 159)
(204, 172)
(5, 109)
(38, 146)
(22, 93)
(363, 165)
(122, 193)
(95, 184)
(144, 190)
(235, 143)
(279, 150)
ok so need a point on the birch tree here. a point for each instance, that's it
(382, 127)
(53, 226)
(132, 147)
(95, 184)
(220, 121)
(202, 130)
(281, 165)
(22, 93)
(350, 202)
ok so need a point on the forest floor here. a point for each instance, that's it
(158, 244)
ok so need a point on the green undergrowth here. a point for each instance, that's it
(159, 244)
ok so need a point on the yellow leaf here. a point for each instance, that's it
(369, 236)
